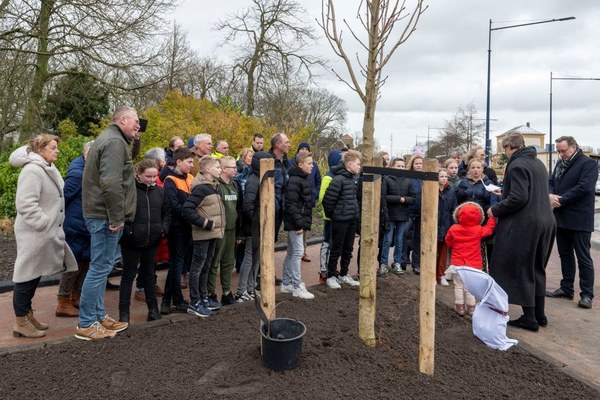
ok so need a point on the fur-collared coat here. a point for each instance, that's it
(41, 246)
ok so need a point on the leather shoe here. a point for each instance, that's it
(542, 321)
(559, 294)
(306, 258)
(522, 323)
(585, 302)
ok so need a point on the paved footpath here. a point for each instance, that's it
(570, 341)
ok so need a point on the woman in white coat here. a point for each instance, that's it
(41, 246)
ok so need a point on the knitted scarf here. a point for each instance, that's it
(562, 165)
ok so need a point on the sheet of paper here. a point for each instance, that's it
(491, 187)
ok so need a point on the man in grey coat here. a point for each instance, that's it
(109, 200)
(524, 234)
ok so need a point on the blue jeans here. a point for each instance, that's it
(395, 233)
(293, 259)
(102, 252)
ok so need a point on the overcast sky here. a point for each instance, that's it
(443, 65)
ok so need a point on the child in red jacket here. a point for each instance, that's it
(464, 239)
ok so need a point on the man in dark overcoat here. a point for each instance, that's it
(524, 233)
(572, 195)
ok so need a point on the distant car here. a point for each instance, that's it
(598, 185)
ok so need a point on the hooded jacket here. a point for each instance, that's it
(177, 188)
(333, 159)
(340, 202)
(315, 175)
(298, 201)
(204, 209)
(464, 237)
(152, 218)
(41, 246)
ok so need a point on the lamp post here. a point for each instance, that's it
(553, 78)
(487, 108)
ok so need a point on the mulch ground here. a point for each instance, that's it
(219, 358)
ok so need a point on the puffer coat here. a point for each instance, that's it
(152, 218)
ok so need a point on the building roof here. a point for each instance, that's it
(523, 130)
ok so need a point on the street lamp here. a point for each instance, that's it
(553, 78)
(488, 143)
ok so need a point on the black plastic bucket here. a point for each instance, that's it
(282, 346)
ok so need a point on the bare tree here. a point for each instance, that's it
(461, 132)
(110, 38)
(14, 76)
(378, 18)
(271, 39)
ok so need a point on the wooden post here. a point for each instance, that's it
(371, 194)
(429, 220)
(267, 238)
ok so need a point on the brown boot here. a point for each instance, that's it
(38, 325)
(65, 307)
(24, 327)
(75, 295)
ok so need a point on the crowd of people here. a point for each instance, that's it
(201, 206)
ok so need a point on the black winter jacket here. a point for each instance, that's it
(446, 206)
(251, 198)
(340, 202)
(392, 190)
(298, 201)
(152, 218)
(468, 190)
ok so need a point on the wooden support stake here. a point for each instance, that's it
(429, 221)
(267, 238)
(371, 194)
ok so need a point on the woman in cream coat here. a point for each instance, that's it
(41, 246)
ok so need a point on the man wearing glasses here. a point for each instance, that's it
(572, 195)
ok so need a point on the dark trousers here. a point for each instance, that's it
(145, 258)
(22, 295)
(341, 245)
(179, 242)
(416, 244)
(201, 260)
(572, 243)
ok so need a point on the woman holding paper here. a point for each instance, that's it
(473, 188)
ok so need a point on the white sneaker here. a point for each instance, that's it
(287, 288)
(348, 280)
(332, 283)
(444, 282)
(302, 293)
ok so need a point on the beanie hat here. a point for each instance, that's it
(191, 142)
(303, 145)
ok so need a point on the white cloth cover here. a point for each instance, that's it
(489, 324)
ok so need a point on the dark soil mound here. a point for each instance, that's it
(219, 357)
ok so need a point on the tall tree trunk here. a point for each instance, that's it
(371, 85)
(31, 118)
